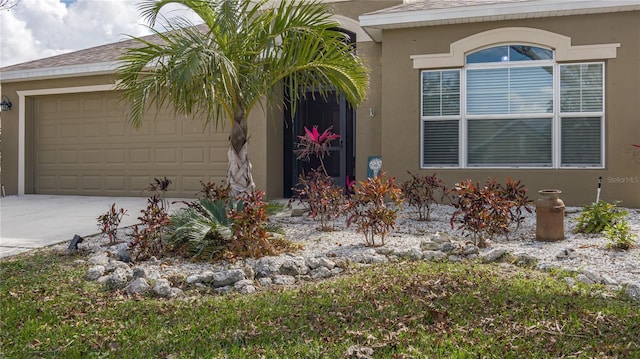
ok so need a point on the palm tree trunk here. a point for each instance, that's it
(239, 174)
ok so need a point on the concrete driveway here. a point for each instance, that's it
(34, 221)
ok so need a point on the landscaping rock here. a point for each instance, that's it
(95, 272)
(193, 279)
(139, 272)
(283, 280)
(99, 259)
(316, 262)
(470, 249)
(584, 279)
(294, 266)
(162, 288)
(113, 265)
(633, 292)
(268, 266)
(117, 280)
(448, 247)
(265, 281)
(493, 255)
(431, 246)
(433, 255)
(321, 272)
(413, 253)
(224, 290)
(245, 286)
(138, 286)
(228, 277)
(594, 277)
(570, 281)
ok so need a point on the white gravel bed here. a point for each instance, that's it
(590, 251)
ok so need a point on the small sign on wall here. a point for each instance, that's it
(374, 165)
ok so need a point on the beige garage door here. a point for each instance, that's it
(83, 146)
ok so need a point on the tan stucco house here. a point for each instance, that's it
(543, 91)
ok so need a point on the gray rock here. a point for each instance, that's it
(313, 262)
(224, 290)
(379, 259)
(241, 283)
(176, 293)
(100, 259)
(524, 260)
(294, 266)
(79, 262)
(193, 279)
(206, 276)
(265, 281)
(470, 249)
(584, 279)
(268, 266)
(95, 272)
(248, 289)
(139, 272)
(608, 280)
(441, 237)
(336, 271)
(430, 246)
(117, 280)
(493, 255)
(570, 281)
(594, 277)
(327, 263)
(283, 280)
(633, 292)
(341, 263)
(384, 250)
(123, 254)
(321, 272)
(473, 256)
(448, 247)
(138, 286)
(228, 277)
(546, 266)
(413, 253)
(433, 255)
(162, 288)
(316, 262)
(454, 259)
(113, 265)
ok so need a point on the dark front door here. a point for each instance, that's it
(334, 113)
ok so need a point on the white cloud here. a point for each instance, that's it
(41, 28)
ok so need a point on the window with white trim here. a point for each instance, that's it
(513, 106)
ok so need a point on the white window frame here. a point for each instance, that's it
(556, 115)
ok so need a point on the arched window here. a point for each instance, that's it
(513, 105)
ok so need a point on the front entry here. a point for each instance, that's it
(333, 112)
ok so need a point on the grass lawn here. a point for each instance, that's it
(397, 310)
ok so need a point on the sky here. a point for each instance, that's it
(35, 29)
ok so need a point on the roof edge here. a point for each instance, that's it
(99, 68)
(374, 22)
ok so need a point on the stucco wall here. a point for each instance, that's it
(401, 101)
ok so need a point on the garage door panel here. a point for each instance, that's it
(84, 146)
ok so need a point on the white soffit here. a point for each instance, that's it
(375, 23)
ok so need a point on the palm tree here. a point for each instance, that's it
(225, 67)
